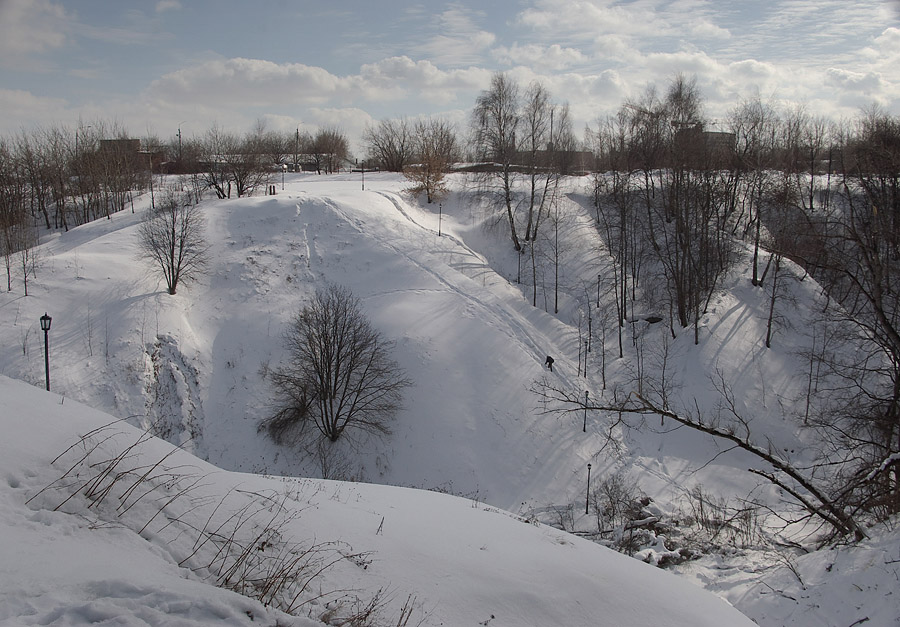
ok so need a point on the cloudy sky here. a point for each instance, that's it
(156, 65)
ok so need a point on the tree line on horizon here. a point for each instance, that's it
(781, 195)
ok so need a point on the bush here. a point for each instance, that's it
(171, 239)
(339, 375)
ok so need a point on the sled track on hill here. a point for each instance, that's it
(509, 322)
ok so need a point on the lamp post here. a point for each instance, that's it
(362, 169)
(283, 170)
(584, 428)
(45, 327)
(587, 498)
(440, 215)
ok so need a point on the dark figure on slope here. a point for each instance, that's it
(549, 362)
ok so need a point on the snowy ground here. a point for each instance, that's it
(190, 365)
(132, 557)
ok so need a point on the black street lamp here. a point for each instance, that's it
(45, 327)
(587, 498)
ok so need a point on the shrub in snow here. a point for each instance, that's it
(171, 239)
(240, 541)
(339, 376)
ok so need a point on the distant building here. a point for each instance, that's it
(715, 148)
(120, 146)
(130, 151)
(574, 162)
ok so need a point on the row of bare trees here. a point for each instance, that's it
(65, 177)
(851, 247)
(520, 135)
(59, 177)
(230, 163)
(675, 201)
(667, 204)
(424, 150)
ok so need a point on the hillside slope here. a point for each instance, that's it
(101, 524)
(189, 366)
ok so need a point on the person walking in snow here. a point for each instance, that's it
(549, 362)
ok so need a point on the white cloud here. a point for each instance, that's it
(593, 20)
(29, 27)
(243, 82)
(752, 70)
(251, 82)
(21, 108)
(667, 64)
(421, 76)
(168, 5)
(889, 41)
(705, 29)
(456, 40)
(547, 58)
(868, 83)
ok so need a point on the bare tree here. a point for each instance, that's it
(339, 375)
(819, 498)
(273, 147)
(171, 239)
(755, 126)
(495, 120)
(31, 156)
(329, 148)
(211, 155)
(247, 162)
(435, 152)
(14, 229)
(859, 269)
(391, 144)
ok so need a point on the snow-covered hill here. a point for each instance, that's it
(141, 548)
(189, 367)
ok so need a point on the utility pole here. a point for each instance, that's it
(179, 140)
(587, 498)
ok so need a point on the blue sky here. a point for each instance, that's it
(154, 65)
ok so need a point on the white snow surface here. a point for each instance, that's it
(190, 366)
(463, 562)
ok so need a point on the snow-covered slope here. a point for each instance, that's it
(132, 553)
(190, 365)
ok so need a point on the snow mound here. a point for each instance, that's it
(102, 523)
